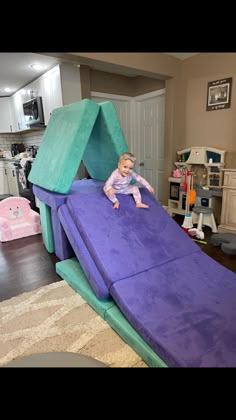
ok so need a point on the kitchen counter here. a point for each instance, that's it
(9, 160)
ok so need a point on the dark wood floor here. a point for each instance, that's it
(228, 261)
(25, 264)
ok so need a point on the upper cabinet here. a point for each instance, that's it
(51, 91)
(58, 86)
(17, 106)
(48, 86)
(6, 116)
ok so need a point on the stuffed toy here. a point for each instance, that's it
(17, 219)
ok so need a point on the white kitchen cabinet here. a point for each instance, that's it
(8, 179)
(33, 90)
(58, 86)
(51, 91)
(12, 179)
(4, 189)
(6, 115)
(17, 105)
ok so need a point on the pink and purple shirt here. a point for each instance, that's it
(120, 183)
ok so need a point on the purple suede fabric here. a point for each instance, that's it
(185, 311)
(54, 200)
(127, 241)
(177, 298)
(62, 246)
(93, 275)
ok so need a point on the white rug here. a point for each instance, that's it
(55, 318)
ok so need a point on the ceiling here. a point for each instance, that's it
(16, 71)
(182, 56)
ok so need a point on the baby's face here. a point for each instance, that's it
(125, 166)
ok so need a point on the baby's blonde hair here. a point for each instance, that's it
(127, 156)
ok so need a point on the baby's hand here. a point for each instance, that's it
(116, 205)
(151, 190)
(111, 192)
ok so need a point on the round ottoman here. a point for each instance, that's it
(57, 359)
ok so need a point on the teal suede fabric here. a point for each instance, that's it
(63, 145)
(71, 271)
(46, 225)
(82, 131)
(106, 143)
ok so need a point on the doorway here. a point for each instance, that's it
(142, 121)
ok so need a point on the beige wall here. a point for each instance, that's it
(186, 98)
(111, 83)
(85, 82)
(70, 83)
(200, 127)
(145, 85)
(157, 65)
(192, 124)
(122, 85)
(187, 122)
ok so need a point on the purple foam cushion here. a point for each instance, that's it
(62, 246)
(129, 240)
(88, 265)
(184, 309)
(55, 200)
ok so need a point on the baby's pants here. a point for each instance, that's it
(131, 189)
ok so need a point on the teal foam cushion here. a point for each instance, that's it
(71, 271)
(46, 225)
(106, 143)
(63, 145)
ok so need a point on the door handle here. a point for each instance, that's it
(141, 164)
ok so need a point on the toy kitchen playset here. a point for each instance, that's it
(206, 164)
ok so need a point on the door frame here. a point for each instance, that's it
(133, 117)
(111, 96)
(133, 145)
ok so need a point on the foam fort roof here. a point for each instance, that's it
(80, 131)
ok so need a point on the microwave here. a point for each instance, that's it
(33, 112)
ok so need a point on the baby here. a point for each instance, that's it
(119, 182)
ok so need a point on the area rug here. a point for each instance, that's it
(55, 318)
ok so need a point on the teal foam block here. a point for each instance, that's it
(63, 145)
(46, 225)
(119, 323)
(71, 271)
(106, 143)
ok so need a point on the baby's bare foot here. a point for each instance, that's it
(116, 205)
(142, 206)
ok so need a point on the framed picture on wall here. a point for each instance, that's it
(219, 94)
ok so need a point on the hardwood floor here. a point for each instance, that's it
(228, 261)
(26, 265)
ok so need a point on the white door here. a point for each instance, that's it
(122, 106)
(142, 121)
(148, 144)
